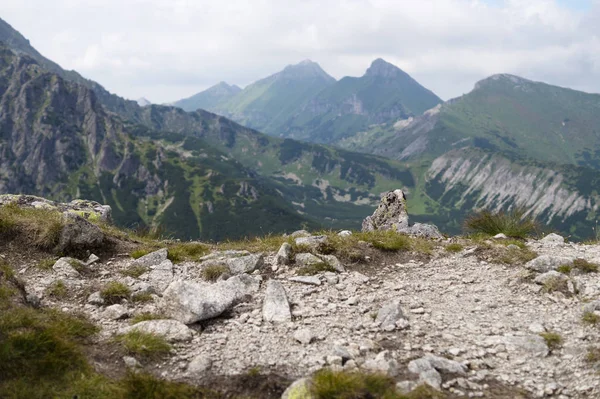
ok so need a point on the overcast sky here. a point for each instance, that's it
(169, 49)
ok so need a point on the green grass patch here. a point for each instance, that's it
(454, 248)
(268, 243)
(328, 384)
(514, 224)
(315, 268)
(139, 252)
(565, 269)
(57, 290)
(134, 270)
(46, 263)
(590, 318)
(553, 340)
(142, 297)
(187, 251)
(213, 272)
(38, 227)
(593, 355)
(512, 256)
(115, 292)
(145, 317)
(144, 344)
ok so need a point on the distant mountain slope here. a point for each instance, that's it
(268, 103)
(209, 98)
(56, 140)
(350, 105)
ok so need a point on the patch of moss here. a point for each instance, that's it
(454, 248)
(553, 340)
(187, 251)
(134, 270)
(144, 344)
(213, 272)
(115, 292)
(590, 318)
(142, 297)
(315, 268)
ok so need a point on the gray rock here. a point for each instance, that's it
(284, 255)
(312, 242)
(161, 275)
(307, 259)
(334, 262)
(304, 336)
(190, 302)
(153, 259)
(142, 287)
(390, 214)
(553, 239)
(310, 280)
(245, 264)
(545, 263)
(593, 306)
(131, 362)
(78, 234)
(383, 363)
(171, 330)
(536, 328)
(276, 307)
(199, 366)
(91, 260)
(230, 253)
(419, 366)
(432, 378)
(63, 268)
(552, 275)
(389, 314)
(115, 312)
(405, 387)
(341, 352)
(300, 389)
(422, 230)
(447, 365)
(526, 345)
(95, 299)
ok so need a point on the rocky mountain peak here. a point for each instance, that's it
(304, 69)
(503, 78)
(382, 68)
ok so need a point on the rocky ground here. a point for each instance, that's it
(402, 313)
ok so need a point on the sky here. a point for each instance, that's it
(166, 50)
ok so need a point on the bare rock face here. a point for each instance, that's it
(78, 234)
(391, 213)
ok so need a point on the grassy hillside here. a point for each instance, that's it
(209, 98)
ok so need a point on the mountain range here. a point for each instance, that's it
(510, 142)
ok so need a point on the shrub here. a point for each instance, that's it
(115, 292)
(590, 318)
(39, 227)
(191, 251)
(513, 224)
(315, 268)
(564, 269)
(134, 270)
(553, 340)
(57, 290)
(454, 247)
(144, 344)
(213, 272)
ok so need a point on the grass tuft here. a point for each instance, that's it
(144, 344)
(316, 268)
(514, 224)
(115, 292)
(134, 270)
(565, 269)
(187, 251)
(142, 297)
(553, 340)
(46, 263)
(590, 318)
(57, 290)
(39, 227)
(454, 248)
(213, 272)
(593, 355)
(584, 266)
(554, 284)
(267, 243)
(145, 317)
(329, 384)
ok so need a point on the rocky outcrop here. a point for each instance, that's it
(391, 214)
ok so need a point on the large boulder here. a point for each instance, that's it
(79, 235)
(190, 302)
(391, 213)
(276, 307)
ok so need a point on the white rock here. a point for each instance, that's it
(310, 280)
(345, 233)
(304, 336)
(300, 389)
(553, 239)
(389, 314)
(63, 268)
(545, 263)
(311, 242)
(131, 362)
(307, 259)
(171, 330)
(334, 262)
(536, 328)
(284, 255)
(152, 259)
(95, 299)
(276, 307)
(161, 275)
(115, 312)
(383, 363)
(199, 366)
(500, 236)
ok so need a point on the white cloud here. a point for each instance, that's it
(168, 49)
